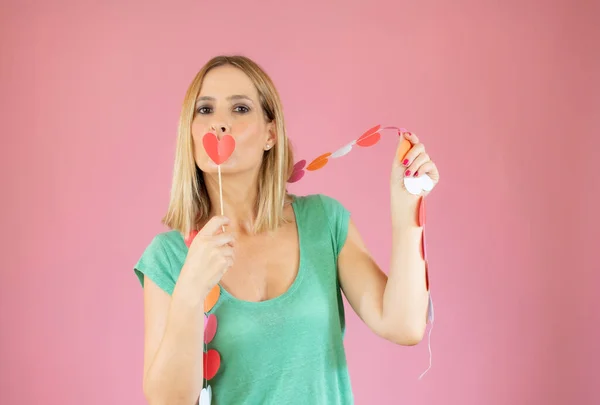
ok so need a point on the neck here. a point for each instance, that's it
(239, 192)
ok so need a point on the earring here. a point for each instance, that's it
(268, 147)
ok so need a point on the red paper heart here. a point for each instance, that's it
(427, 276)
(189, 239)
(210, 329)
(218, 150)
(370, 137)
(212, 361)
(423, 246)
(422, 212)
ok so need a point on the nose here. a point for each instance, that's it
(220, 129)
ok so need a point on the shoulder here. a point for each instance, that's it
(163, 243)
(321, 210)
(159, 259)
(312, 202)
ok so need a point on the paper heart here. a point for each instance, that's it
(416, 185)
(205, 396)
(422, 212)
(403, 149)
(370, 137)
(297, 171)
(319, 162)
(210, 328)
(430, 310)
(300, 165)
(344, 150)
(212, 298)
(423, 246)
(218, 150)
(427, 275)
(190, 238)
(212, 361)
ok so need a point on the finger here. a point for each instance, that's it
(213, 225)
(427, 168)
(411, 136)
(224, 239)
(415, 167)
(412, 154)
(228, 264)
(227, 251)
(431, 170)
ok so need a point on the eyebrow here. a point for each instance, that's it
(230, 98)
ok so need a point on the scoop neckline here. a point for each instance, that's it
(226, 295)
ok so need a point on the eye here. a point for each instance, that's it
(241, 109)
(202, 110)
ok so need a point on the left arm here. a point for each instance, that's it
(393, 306)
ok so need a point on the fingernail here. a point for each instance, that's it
(407, 173)
(405, 162)
(416, 174)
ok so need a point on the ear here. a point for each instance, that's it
(272, 133)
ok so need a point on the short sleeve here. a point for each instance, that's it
(155, 265)
(339, 219)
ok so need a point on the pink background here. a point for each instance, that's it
(504, 94)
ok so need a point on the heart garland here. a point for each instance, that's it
(414, 185)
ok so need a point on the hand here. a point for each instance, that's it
(414, 163)
(210, 255)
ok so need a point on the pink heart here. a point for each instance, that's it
(297, 172)
(218, 150)
(210, 328)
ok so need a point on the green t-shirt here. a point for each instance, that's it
(289, 349)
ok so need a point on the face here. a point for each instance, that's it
(228, 104)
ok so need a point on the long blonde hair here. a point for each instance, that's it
(189, 203)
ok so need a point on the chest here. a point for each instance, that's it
(265, 266)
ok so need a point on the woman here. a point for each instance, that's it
(281, 261)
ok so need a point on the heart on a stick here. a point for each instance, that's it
(218, 150)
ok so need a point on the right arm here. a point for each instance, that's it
(173, 352)
(174, 325)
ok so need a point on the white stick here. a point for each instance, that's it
(221, 194)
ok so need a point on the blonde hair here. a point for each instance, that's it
(189, 202)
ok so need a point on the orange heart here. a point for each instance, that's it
(403, 149)
(319, 162)
(212, 298)
(212, 362)
(219, 150)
